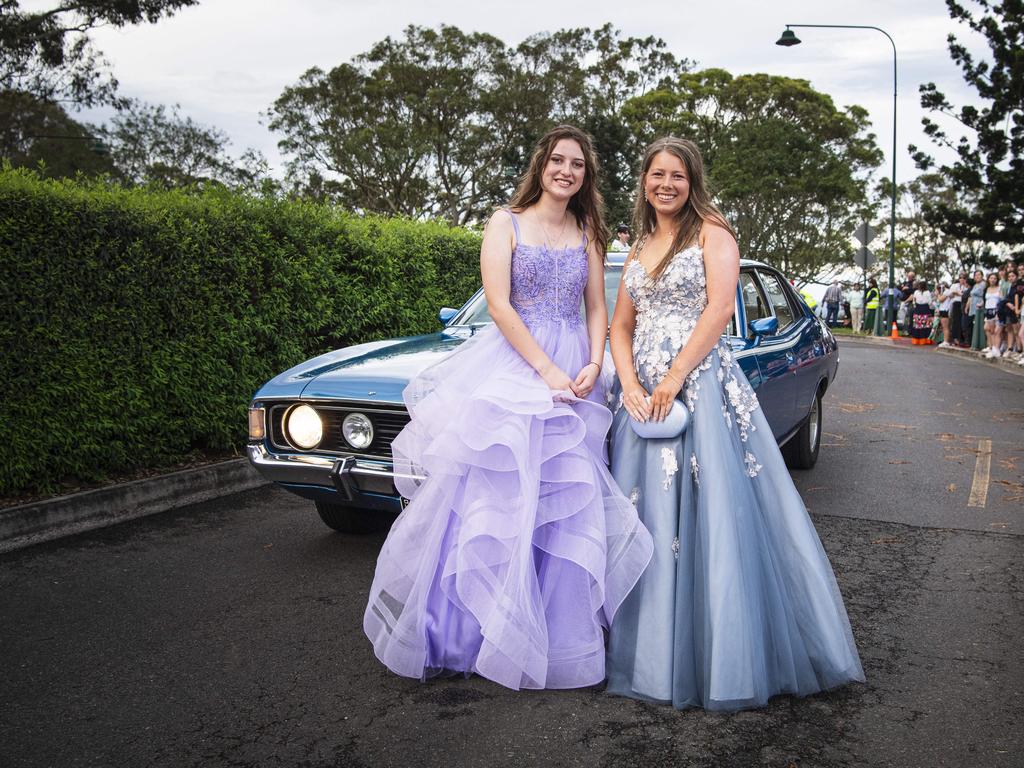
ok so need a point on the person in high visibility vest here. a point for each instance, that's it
(809, 299)
(870, 304)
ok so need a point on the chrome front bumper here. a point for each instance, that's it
(349, 476)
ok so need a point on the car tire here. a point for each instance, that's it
(348, 519)
(801, 452)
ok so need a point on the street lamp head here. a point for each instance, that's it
(788, 38)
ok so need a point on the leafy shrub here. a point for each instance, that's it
(136, 324)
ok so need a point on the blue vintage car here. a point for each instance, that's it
(324, 428)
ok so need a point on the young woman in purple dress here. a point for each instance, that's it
(517, 548)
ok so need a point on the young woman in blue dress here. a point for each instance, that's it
(739, 602)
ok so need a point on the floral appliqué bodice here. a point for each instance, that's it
(667, 311)
(548, 283)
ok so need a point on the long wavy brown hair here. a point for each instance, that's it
(697, 209)
(587, 205)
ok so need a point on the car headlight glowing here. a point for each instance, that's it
(304, 427)
(357, 430)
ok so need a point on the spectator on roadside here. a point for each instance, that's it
(1010, 316)
(944, 300)
(832, 298)
(891, 300)
(993, 328)
(922, 314)
(1004, 281)
(871, 297)
(855, 301)
(620, 243)
(956, 314)
(976, 297)
(1016, 299)
(908, 285)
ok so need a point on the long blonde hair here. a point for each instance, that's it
(697, 209)
(587, 205)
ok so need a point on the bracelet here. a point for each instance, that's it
(674, 377)
(592, 362)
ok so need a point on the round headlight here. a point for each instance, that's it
(358, 430)
(305, 429)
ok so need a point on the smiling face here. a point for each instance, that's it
(565, 170)
(666, 184)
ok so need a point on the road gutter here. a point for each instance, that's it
(40, 521)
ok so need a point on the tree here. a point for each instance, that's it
(932, 253)
(788, 169)
(150, 144)
(39, 134)
(989, 169)
(48, 53)
(440, 123)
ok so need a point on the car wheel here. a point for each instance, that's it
(801, 452)
(349, 519)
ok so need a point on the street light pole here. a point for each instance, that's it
(788, 39)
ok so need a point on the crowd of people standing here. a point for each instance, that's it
(945, 311)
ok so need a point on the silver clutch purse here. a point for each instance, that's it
(673, 425)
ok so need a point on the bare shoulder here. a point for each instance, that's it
(499, 222)
(714, 236)
(499, 233)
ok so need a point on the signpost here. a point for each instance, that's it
(864, 258)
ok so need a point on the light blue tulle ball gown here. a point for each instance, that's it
(515, 552)
(739, 602)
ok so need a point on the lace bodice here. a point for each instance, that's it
(667, 311)
(547, 283)
(667, 308)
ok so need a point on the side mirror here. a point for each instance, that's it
(446, 314)
(765, 326)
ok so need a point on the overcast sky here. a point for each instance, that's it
(225, 61)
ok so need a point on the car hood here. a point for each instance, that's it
(376, 372)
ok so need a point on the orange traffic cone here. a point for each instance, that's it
(895, 331)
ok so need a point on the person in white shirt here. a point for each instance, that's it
(855, 298)
(620, 243)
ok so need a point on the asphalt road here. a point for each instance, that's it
(229, 633)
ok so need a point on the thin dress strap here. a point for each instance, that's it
(515, 224)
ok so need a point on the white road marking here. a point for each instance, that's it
(982, 472)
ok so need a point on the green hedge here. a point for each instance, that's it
(135, 325)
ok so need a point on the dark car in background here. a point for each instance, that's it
(323, 429)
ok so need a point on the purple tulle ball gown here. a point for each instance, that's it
(515, 552)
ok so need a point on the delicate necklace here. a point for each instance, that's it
(547, 236)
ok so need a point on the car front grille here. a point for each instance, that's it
(388, 421)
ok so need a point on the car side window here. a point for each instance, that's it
(778, 299)
(754, 304)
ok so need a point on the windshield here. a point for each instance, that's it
(475, 310)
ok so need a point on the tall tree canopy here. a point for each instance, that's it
(788, 169)
(440, 122)
(988, 173)
(48, 53)
(151, 144)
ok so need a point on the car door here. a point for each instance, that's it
(776, 355)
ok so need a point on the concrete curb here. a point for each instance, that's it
(42, 521)
(1010, 366)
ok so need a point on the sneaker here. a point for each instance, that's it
(1007, 354)
(992, 354)
(945, 344)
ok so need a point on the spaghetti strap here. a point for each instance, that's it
(515, 223)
